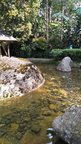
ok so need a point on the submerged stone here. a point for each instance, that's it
(68, 126)
(36, 129)
(18, 78)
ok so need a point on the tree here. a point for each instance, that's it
(17, 17)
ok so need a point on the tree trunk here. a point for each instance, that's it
(47, 21)
(0, 52)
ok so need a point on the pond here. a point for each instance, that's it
(25, 120)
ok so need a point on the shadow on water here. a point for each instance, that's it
(24, 120)
(60, 141)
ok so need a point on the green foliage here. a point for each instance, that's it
(29, 17)
(26, 49)
(58, 54)
(17, 17)
(55, 41)
(38, 47)
(78, 11)
(60, 15)
(39, 43)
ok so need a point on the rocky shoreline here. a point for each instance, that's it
(18, 77)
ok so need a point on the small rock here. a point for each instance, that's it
(36, 129)
(53, 107)
(47, 113)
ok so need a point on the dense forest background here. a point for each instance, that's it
(41, 25)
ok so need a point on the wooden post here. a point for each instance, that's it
(8, 52)
(0, 50)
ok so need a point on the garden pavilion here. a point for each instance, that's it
(5, 40)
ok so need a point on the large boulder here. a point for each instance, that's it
(18, 77)
(65, 65)
(68, 126)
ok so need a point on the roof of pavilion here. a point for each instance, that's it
(6, 37)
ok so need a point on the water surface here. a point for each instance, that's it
(25, 120)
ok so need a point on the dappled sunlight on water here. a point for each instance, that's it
(24, 120)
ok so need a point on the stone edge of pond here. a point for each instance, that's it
(41, 60)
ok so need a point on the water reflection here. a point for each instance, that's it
(67, 76)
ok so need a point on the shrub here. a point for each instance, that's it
(39, 43)
(58, 54)
(39, 47)
(55, 42)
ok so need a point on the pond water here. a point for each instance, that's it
(25, 120)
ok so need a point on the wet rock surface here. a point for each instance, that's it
(68, 126)
(18, 77)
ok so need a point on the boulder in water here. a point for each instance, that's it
(68, 126)
(65, 65)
